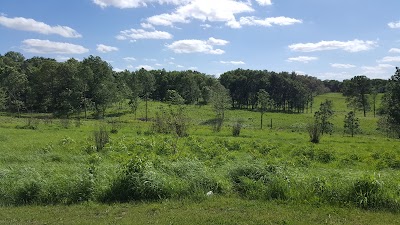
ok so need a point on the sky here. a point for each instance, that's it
(327, 39)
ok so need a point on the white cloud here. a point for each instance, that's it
(233, 62)
(180, 66)
(124, 4)
(379, 71)
(146, 67)
(264, 2)
(20, 23)
(135, 34)
(192, 68)
(394, 25)
(348, 46)
(205, 26)
(303, 59)
(342, 66)
(214, 41)
(150, 60)
(390, 59)
(268, 22)
(129, 59)
(394, 50)
(118, 70)
(104, 48)
(147, 26)
(335, 76)
(60, 58)
(158, 64)
(198, 46)
(167, 19)
(48, 47)
(204, 10)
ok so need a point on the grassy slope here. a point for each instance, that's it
(52, 151)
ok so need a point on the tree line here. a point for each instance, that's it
(43, 85)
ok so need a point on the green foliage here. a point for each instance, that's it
(174, 120)
(323, 117)
(220, 101)
(237, 127)
(101, 138)
(174, 98)
(391, 104)
(351, 124)
(356, 90)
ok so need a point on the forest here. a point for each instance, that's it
(65, 88)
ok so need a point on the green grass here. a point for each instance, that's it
(274, 168)
(215, 210)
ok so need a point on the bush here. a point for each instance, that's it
(237, 128)
(173, 121)
(101, 138)
(314, 130)
(255, 181)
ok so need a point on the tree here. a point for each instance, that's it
(321, 123)
(264, 101)
(15, 85)
(103, 87)
(147, 81)
(351, 124)
(3, 99)
(391, 103)
(174, 98)
(220, 100)
(323, 116)
(374, 95)
(356, 90)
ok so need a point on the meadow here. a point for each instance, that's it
(51, 168)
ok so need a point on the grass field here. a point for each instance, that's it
(54, 173)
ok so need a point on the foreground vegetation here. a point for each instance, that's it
(47, 161)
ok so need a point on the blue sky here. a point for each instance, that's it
(328, 39)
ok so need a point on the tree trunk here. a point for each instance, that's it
(261, 121)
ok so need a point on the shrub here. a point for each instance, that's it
(314, 130)
(255, 181)
(237, 128)
(101, 138)
(173, 121)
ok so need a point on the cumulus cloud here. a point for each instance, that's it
(104, 48)
(135, 34)
(390, 59)
(303, 59)
(124, 4)
(146, 67)
(379, 71)
(268, 22)
(342, 66)
(204, 10)
(233, 62)
(26, 24)
(147, 26)
(264, 2)
(394, 50)
(130, 59)
(49, 47)
(394, 25)
(348, 46)
(198, 46)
